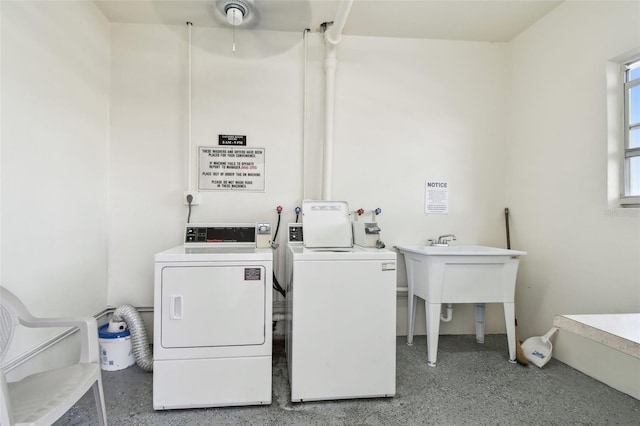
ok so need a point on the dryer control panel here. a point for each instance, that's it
(220, 234)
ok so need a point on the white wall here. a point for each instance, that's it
(406, 111)
(55, 132)
(260, 97)
(412, 110)
(148, 73)
(584, 256)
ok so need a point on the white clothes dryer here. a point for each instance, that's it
(212, 320)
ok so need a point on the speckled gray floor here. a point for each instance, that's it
(473, 384)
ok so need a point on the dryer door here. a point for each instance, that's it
(205, 306)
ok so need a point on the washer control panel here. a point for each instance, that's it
(295, 233)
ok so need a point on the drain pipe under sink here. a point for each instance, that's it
(443, 317)
(449, 316)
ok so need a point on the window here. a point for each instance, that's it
(631, 79)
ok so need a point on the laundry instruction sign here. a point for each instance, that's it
(229, 169)
(436, 197)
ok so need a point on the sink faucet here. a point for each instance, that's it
(443, 240)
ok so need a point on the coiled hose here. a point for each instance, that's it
(139, 340)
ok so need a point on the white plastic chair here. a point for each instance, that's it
(42, 398)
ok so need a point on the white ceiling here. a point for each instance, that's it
(473, 20)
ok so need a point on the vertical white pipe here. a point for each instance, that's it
(305, 37)
(189, 150)
(330, 65)
(332, 38)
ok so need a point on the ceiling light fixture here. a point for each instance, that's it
(234, 16)
(236, 11)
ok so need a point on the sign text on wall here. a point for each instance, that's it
(232, 140)
(436, 197)
(231, 169)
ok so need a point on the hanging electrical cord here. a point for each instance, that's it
(189, 201)
(276, 285)
(189, 133)
(298, 210)
(189, 107)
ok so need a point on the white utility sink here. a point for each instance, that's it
(460, 274)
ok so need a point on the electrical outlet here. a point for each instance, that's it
(196, 198)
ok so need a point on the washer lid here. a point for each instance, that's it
(326, 224)
(355, 253)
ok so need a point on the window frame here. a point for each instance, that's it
(628, 153)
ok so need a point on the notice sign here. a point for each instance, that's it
(436, 197)
(225, 168)
(232, 140)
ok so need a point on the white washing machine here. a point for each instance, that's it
(212, 320)
(341, 321)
